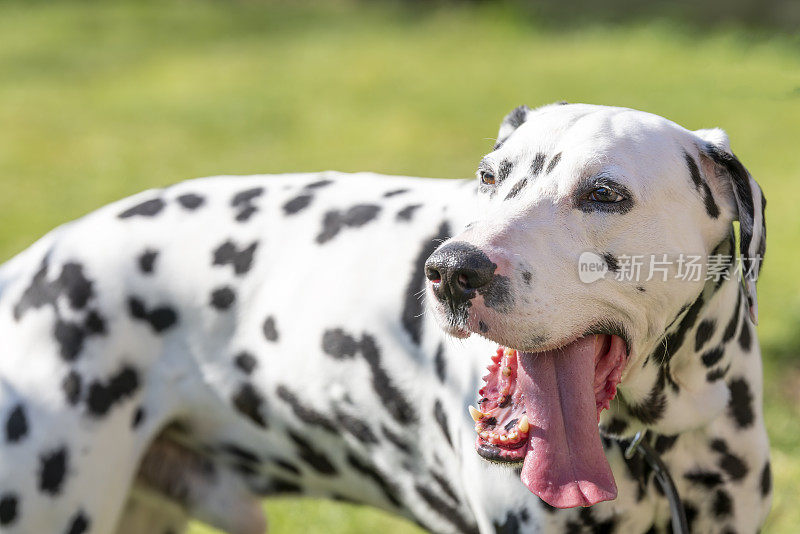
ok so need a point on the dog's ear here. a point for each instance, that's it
(750, 205)
(511, 122)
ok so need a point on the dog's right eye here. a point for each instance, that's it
(487, 177)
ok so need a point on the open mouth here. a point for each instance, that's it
(541, 409)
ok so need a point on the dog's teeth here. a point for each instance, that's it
(485, 435)
(476, 414)
(503, 438)
(513, 436)
(523, 424)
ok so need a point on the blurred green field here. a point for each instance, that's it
(100, 100)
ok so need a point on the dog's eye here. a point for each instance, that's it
(605, 195)
(487, 177)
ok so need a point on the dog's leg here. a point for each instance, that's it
(175, 482)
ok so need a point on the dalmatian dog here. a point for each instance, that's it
(184, 352)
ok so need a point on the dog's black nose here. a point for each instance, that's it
(456, 270)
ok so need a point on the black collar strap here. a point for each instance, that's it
(640, 445)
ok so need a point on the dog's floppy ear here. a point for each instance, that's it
(750, 205)
(511, 122)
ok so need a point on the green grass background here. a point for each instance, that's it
(100, 100)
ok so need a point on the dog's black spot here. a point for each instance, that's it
(148, 208)
(730, 329)
(138, 417)
(413, 307)
(526, 277)
(504, 170)
(394, 192)
(707, 479)
(407, 213)
(447, 511)
(278, 486)
(740, 406)
(339, 344)
(392, 398)
(445, 486)
(483, 327)
(304, 413)
(287, 466)
(441, 420)
(79, 523)
(318, 184)
(673, 342)
(334, 220)
(704, 332)
(640, 289)
(53, 470)
(9, 509)
(246, 196)
(712, 356)
(269, 329)
(316, 459)
(731, 464)
(331, 225)
(249, 402)
(615, 426)
(766, 480)
(694, 171)
(242, 454)
(497, 294)
(243, 201)
(16, 424)
(71, 283)
(147, 261)
(745, 340)
(102, 396)
(94, 323)
(517, 116)
(245, 361)
(722, 505)
(396, 440)
(708, 199)
(222, 298)
(71, 385)
(229, 254)
(191, 201)
(297, 204)
(718, 373)
(538, 164)
(356, 427)
(160, 319)
(510, 525)
(370, 471)
(553, 163)
(440, 364)
(519, 186)
(664, 442)
(611, 261)
(652, 408)
(69, 337)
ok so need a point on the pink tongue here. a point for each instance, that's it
(565, 464)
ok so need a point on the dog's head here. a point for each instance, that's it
(576, 265)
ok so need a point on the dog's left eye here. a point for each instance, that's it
(487, 177)
(605, 195)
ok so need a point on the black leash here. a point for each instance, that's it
(678, 514)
